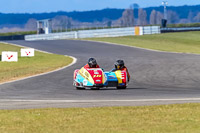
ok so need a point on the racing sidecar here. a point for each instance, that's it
(96, 78)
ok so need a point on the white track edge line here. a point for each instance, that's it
(73, 62)
(96, 101)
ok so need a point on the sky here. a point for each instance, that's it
(38, 6)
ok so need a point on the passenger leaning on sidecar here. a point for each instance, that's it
(119, 65)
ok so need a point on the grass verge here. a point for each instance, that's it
(26, 66)
(183, 118)
(183, 42)
(18, 33)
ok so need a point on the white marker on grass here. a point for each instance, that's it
(8, 56)
(27, 52)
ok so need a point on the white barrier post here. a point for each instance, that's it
(27, 52)
(141, 30)
(76, 34)
(9, 56)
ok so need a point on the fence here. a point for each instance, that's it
(114, 32)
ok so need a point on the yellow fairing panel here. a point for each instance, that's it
(85, 74)
(119, 76)
(103, 78)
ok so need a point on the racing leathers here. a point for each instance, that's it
(87, 66)
(124, 68)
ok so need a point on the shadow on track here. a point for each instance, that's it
(114, 89)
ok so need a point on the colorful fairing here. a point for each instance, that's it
(97, 78)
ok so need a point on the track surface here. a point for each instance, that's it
(154, 75)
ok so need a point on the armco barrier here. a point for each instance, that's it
(106, 32)
(12, 37)
(53, 36)
(114, 32)
(166, 30)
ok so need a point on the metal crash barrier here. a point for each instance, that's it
(113, 32)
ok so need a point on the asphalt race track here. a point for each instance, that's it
(156, 78)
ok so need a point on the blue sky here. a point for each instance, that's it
(35, 6)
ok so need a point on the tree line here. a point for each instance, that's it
(155, 17)
(132, 16)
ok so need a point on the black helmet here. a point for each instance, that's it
(92, 62)
(119, 64)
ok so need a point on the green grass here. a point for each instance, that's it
(18, 33)
(184, 42)
(183, 25)
(27, 66)
(183, 118)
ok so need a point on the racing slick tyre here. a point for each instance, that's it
(121, 87)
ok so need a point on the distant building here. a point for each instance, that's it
(44, 26)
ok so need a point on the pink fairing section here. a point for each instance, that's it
(75, 73)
